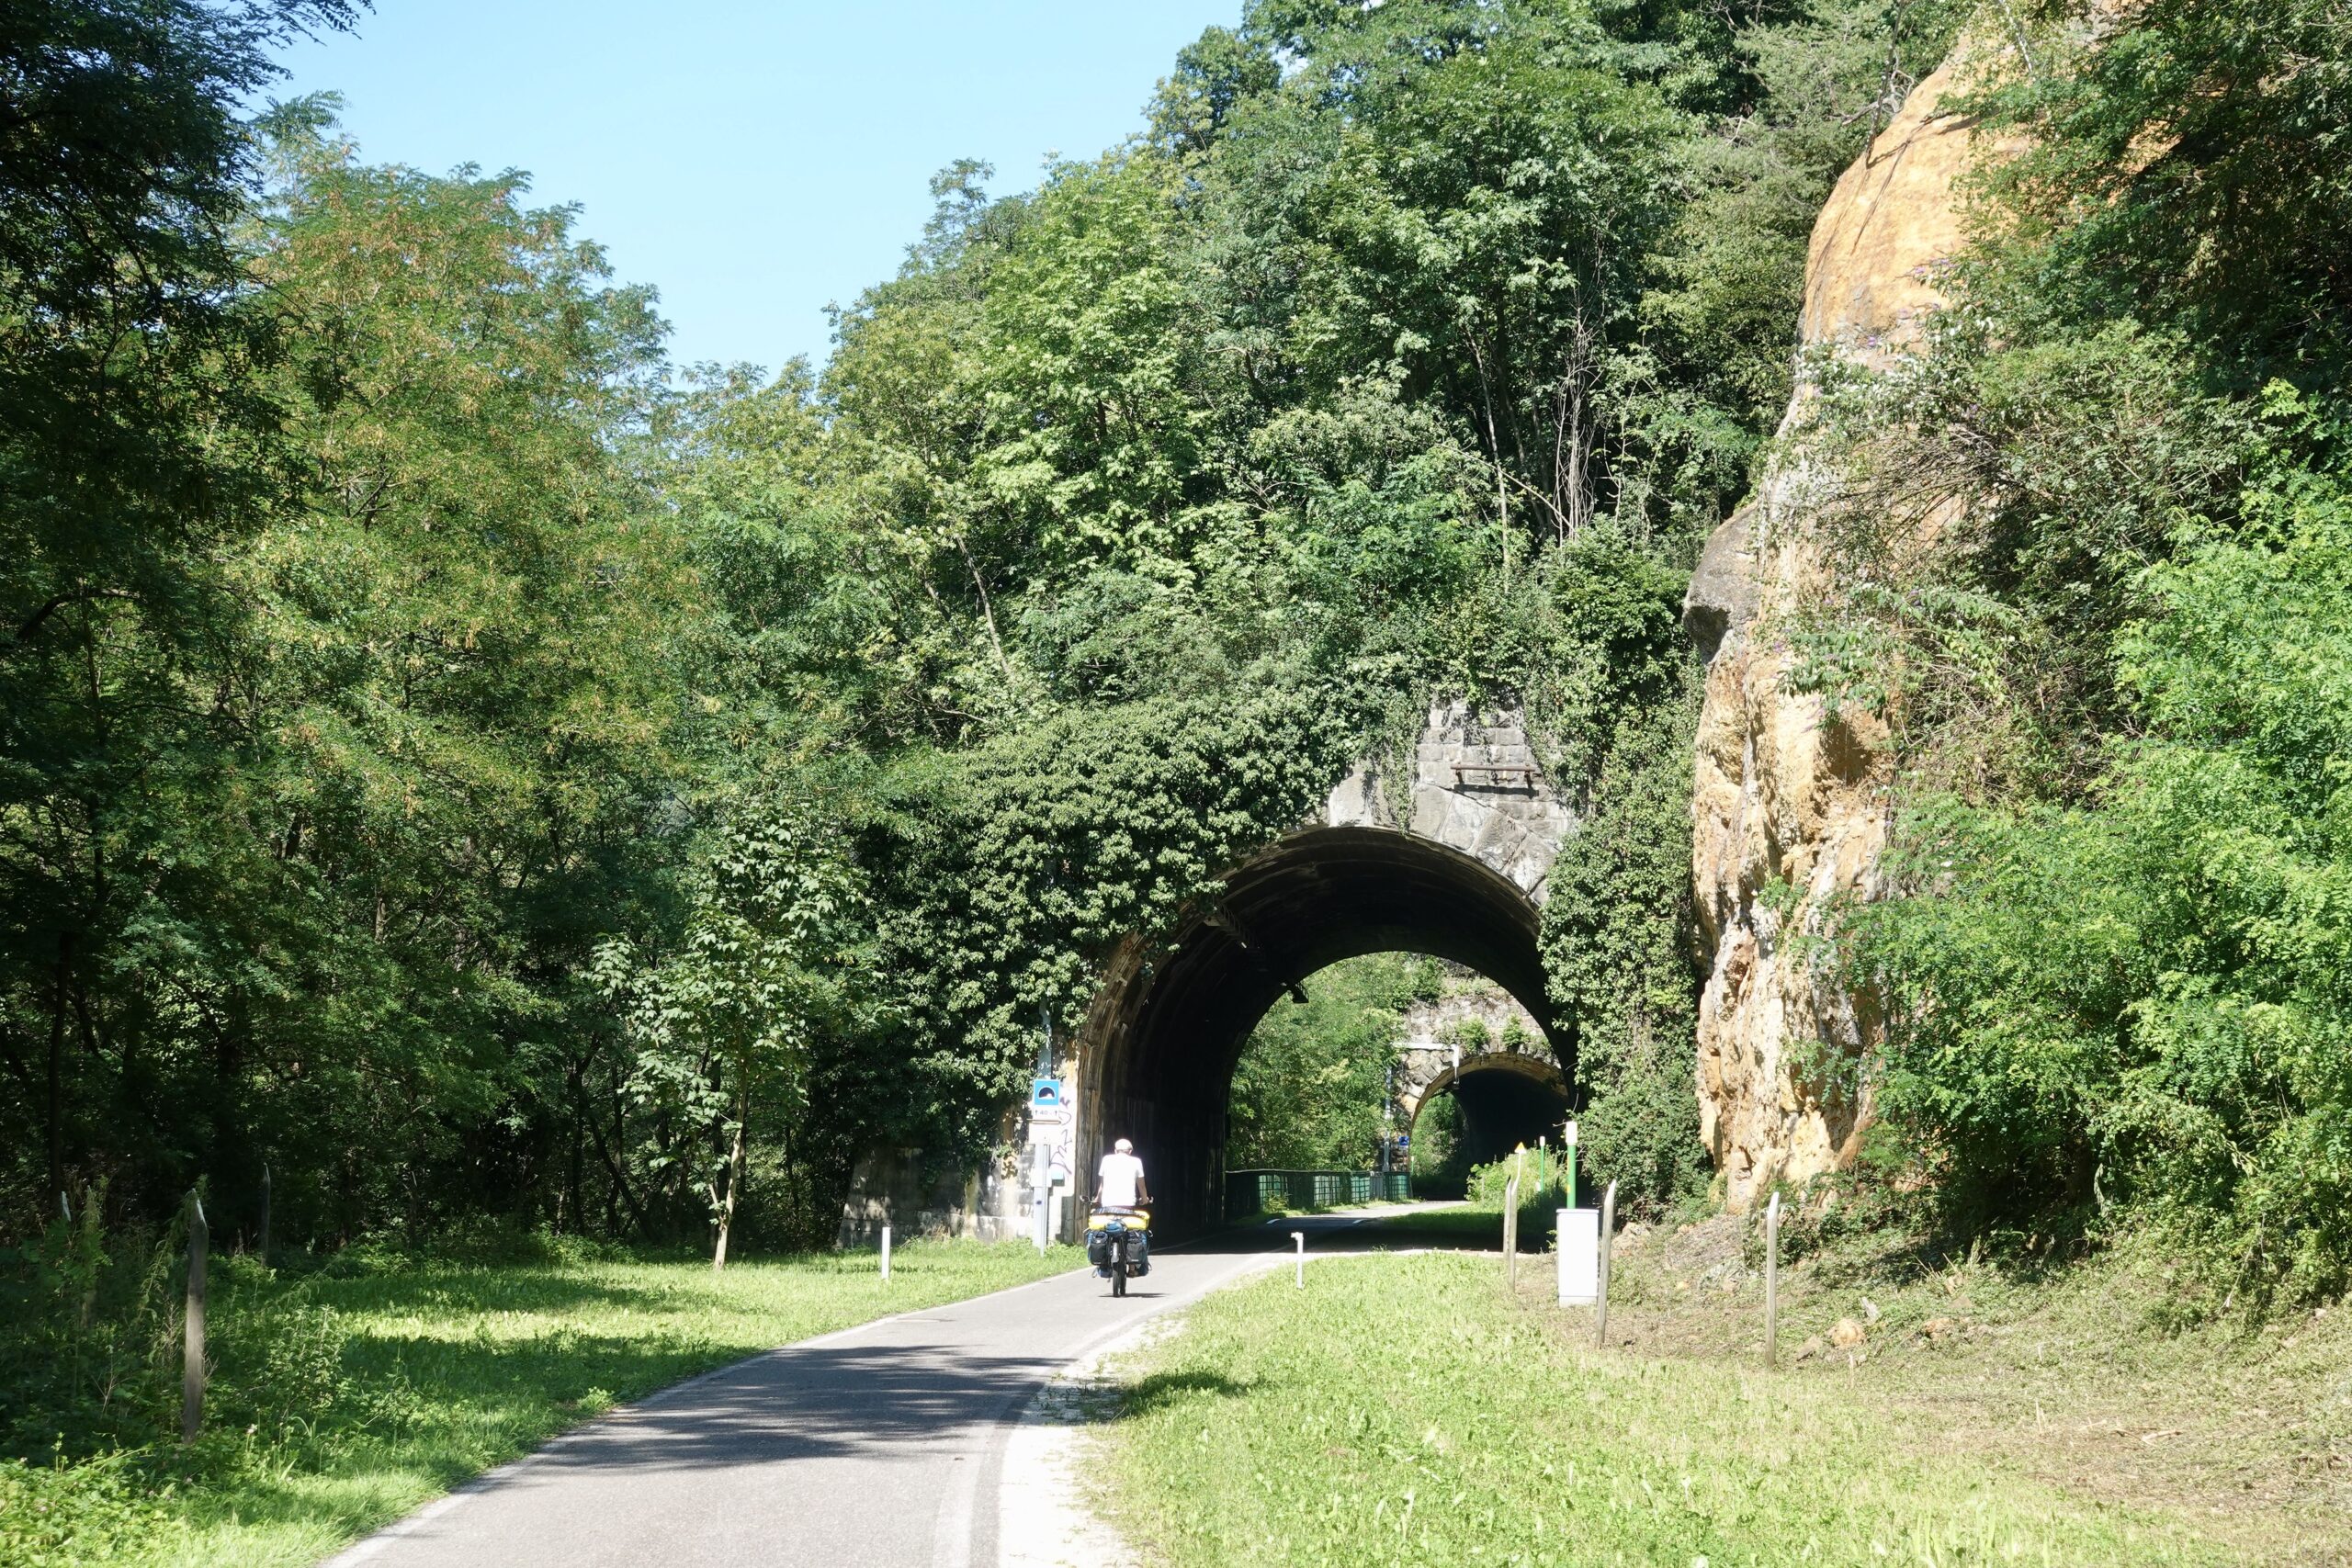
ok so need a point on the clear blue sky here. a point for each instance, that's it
(753, 162)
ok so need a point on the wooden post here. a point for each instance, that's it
(1773, 1282)
(264, 1216)
(1511, 1231)
(1608, 1226)
(192, 1358)
(94, 1198)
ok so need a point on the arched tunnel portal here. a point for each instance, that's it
(1508, 1099)
(1168, 1027)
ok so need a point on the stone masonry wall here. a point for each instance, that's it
(1425, 1055)
(1475, 787)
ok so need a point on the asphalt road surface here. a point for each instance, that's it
(877, 1445)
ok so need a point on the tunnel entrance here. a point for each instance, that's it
(1494, 1105)
(1160, 1046)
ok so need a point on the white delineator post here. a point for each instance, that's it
(1773, 1282)
(1300, 1237)
(192, 1368)
(886, 1252)
(1579, 1238)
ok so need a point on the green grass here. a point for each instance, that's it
(427, 1374)
(1465, 1225)
(1402, 1410)
(2104, 1374)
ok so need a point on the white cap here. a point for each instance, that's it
(1124, 1147)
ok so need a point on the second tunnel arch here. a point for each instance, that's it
(1505, 1098)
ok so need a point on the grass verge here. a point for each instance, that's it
(418, 1376)
(1463, 1224)
(1405, 1410)
(2097, 1375)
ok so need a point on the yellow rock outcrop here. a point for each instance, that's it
(1791, 811)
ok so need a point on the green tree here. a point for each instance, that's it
(2137, 1003)
(136, 455)
(1311, 1089)
(2108, 969)
(767, 968)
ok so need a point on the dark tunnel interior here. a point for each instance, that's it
(1163, 1039)
(1501, 1110)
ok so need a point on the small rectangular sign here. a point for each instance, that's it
(1045, 1094)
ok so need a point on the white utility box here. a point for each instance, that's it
(1580, 1257)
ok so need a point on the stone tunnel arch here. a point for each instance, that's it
(1507, 1097)
(1448, 854)
(1159, 1050)
(1413, 1097)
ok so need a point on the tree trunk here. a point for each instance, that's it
(619, 1188)
(572, 1174)
(734, 1181)
(192, 1368)
(56, 1108)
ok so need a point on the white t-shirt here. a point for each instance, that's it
(1121, 1181)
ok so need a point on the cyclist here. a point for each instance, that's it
(1119, 1183)
(1119, 1187)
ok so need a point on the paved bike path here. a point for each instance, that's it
(880, 1444)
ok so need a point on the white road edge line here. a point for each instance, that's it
(1039, 1524)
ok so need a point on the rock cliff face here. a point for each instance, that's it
(1791, 811)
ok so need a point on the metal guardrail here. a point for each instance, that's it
(1261, 1191)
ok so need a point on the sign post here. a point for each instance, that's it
(1579, 1238)
(1049, 1129)
(1608, 1231)
(1040, 1192)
